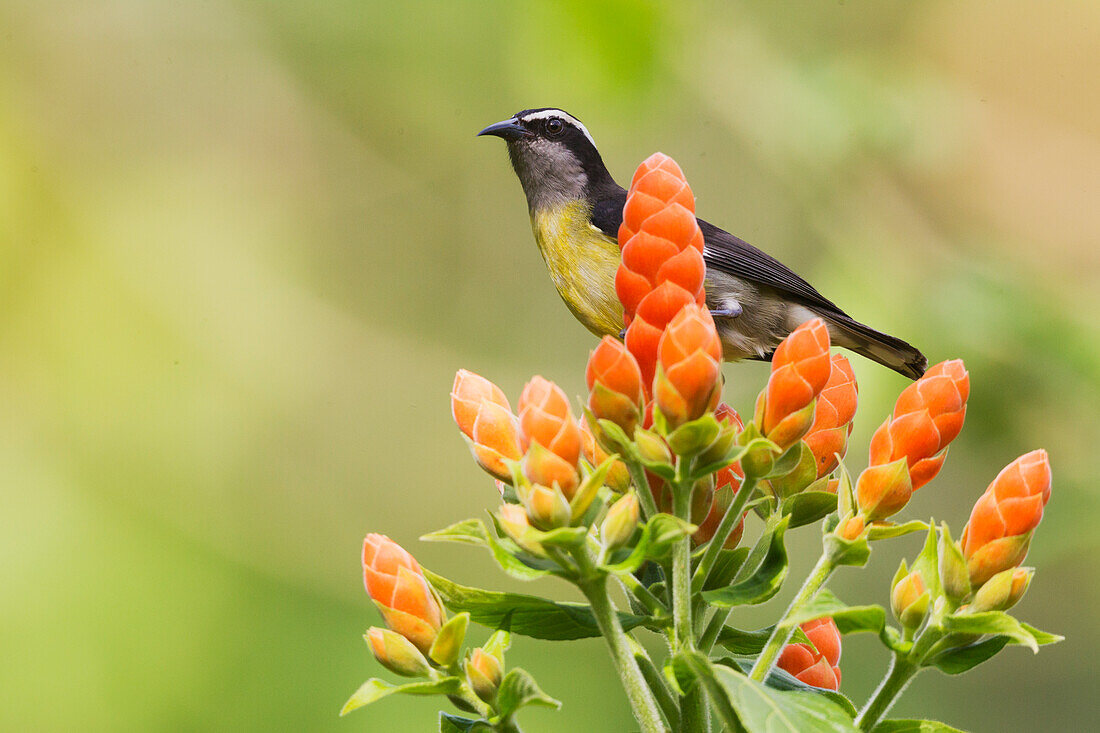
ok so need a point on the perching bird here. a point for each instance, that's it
(576, 209)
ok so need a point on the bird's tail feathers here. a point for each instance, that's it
(887, 350)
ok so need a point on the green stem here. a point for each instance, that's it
(899, 675)
(729, 521)
(681, 573)
(634, 587)
(641, 482)
(642, 702)
(784, 629)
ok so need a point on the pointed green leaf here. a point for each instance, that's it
(519, 689)
(725, 567)
(766, 578)
(466, 532)
(781, 679)
(448, 642)
(965, 658)
(889, 530)
(914, 726)
(847, 552)
(695, 436)
(742, 704)
(375, 689)
(807, 507)
(849, 619)
(993, 623)
(530, 615)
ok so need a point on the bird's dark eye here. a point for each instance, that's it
(554, 126)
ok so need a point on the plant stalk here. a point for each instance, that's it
(641, 482)
(784, 629)
(725, 527)
(642, 702)
(899, 675)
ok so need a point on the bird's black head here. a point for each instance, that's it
(553, 155)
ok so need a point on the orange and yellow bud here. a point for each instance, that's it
(836, 407)
(928, 415)
(999, 531)
(484, 673)
(396, 653)
(513, 520)
(546, 420)
(621, 521)
(909, 598)
(688, 383)
(1003, 591)
(397, 585)
(816, 664)
(800, 370)
(484, 416)
(546, 506)
(614, 384)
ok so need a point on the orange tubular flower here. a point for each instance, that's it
(614, 384)
(908, 449)
(484, 416)
(545, 419)
(816, 665)
(662, 267)
(999, 531)
(688, 383)
(396, 583)
(800, 370)
(836, 406)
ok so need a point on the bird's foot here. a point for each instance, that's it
(728, 312)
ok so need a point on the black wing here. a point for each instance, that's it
(724, 252)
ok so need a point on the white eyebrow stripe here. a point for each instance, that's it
(564, 115)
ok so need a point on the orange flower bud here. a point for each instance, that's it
(484, 672)
(928, 415)
(816, 665)
(615, 384)
(1003, 591)
(513, 520)
(544, 417)
(484, 416)
(655, 312)
(851, 528)
(547, 507)
(836, 406)
(800, 370)
(398, 587)
(999, 531)
(621, 521)
(396, 653)
(882, 491)
(690, 356)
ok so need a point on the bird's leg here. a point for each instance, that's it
(730, 311)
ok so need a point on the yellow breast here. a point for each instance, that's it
(582, 263)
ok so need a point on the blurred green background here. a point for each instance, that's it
(244, 246)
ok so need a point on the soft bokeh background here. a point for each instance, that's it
(245, 245)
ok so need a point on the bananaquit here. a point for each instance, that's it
(576, 208)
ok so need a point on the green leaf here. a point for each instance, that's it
(706, 469)
(660, 533)
(849, 619)
(375, 689)
(807, 507)
(456, 724)
(725, 567)
(766, 578)
(518, 689)
(743, 704)
(914, 726)
(847, 552)
(990, 622)
(889, 530)
(1042, 638)
(448, 642)
(466, 532)
(529, 615)
(695, 436)
(965, 658)
(781, 679)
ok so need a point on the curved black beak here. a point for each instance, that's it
(509, 129)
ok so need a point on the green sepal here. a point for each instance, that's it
(766, 578)
(654, 453)
(889, 530)
(590, 486)
(518, 689)
(808, 507)
(1001, 624)
(659, 534)
(523, 614)
(375, 689)
(845, 492)
(448, 642)
(842, 551)
(794, 471)
(509, 556)
(927, 563)
(954, 575)
(695, 436)
(610, 435)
